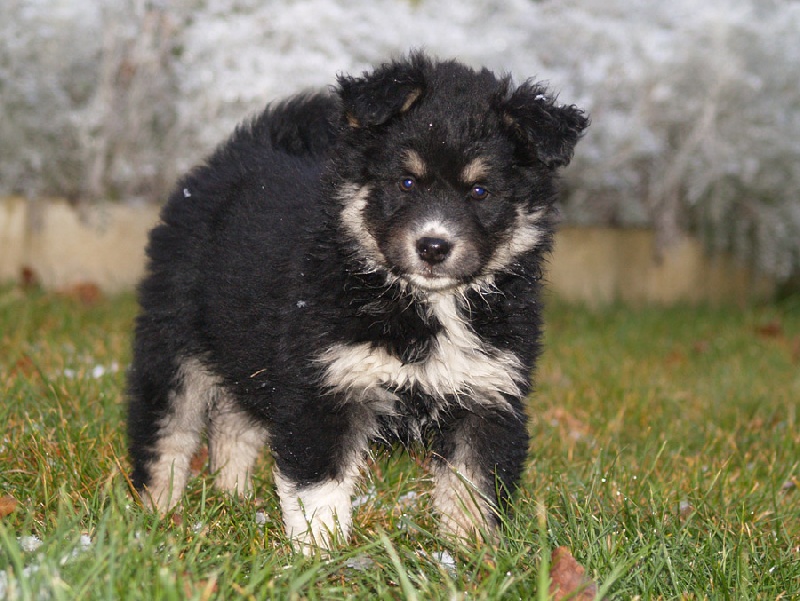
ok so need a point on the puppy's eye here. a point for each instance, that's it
(478, 193)
(407, 184)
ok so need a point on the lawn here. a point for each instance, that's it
(665, 456)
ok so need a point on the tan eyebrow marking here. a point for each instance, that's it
(411, 99)
(475, 171)
(414, 164)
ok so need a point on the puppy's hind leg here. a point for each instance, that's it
(166, 424)
(235, 441)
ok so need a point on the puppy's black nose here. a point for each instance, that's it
(433, 250)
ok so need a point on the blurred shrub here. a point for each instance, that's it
(86, 94)
(696, 121)
(695, 106)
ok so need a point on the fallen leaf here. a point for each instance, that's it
(8, 505)
(23, 366)
(675, 358)
(772, 329)
(201, 589)
(87, 293)
(28, 277)
(199, 461)
(569, 424)
(568, 579)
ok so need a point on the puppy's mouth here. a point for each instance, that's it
(431, 282)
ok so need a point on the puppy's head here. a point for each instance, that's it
(445, 174)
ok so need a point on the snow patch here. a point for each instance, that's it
(29, 544)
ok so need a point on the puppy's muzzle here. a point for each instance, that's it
(433, 250)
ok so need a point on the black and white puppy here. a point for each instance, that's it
(354, 267)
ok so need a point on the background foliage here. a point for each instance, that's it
(695, 106)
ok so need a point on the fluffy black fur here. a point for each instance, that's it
(349, 267)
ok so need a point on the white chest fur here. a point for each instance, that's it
(460, 365)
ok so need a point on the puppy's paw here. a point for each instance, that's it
(316, 517)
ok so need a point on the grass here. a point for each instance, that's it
(665, 454)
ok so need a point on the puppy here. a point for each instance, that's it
(348, 268)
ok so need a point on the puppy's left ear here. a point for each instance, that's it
(390, 90)
(547, 131)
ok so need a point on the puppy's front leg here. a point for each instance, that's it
(317, 514)
(318, 462)
(478, 459)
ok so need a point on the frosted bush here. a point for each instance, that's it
(696, 123)
(87, 98)
(40, 85)
(695, 106)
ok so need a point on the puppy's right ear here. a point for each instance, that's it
(390, 90)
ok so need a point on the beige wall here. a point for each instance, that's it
(105, 245)
(602, 265)
(65, 246)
